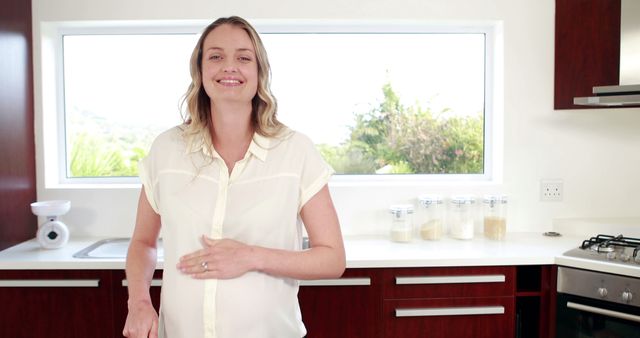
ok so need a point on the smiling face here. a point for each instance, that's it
(229, 66)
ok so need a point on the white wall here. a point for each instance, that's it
(596, 152)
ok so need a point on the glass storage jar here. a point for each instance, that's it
(401, 222)
(460, 217)
(495, 216)
(430, 217)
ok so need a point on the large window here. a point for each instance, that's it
(378, 101)
(120, 92)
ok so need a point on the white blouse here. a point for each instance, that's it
(258, 204)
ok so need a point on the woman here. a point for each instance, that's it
(230, 187)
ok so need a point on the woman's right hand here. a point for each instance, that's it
(142, 320)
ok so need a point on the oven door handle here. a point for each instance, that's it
(604, 312)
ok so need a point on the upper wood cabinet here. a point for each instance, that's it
(17, 144)
(587, 48)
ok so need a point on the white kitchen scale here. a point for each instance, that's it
(53, 233)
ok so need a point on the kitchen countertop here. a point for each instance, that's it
(362, 252)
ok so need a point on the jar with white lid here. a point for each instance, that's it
(495, 216)
(401, 222)
(460, 217)
(430, 217)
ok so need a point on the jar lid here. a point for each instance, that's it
(427, 200)
(401, 209)
(463, 199)
(495, 199)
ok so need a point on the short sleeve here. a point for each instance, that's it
(315, 171)
(146, 177)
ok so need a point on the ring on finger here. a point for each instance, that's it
(205, 266)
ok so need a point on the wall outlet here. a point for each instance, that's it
(551, 190)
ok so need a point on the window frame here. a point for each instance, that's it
(52, 33)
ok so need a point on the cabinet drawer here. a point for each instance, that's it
(449, 282)
(347, 307)
(56, 303)
(449, 317)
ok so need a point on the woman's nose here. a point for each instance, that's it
(229, 66)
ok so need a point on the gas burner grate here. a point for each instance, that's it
(606, 243)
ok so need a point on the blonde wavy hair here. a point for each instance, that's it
(197, 116)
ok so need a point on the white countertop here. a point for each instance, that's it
(515, 249)
(362, 252)
(30, 255)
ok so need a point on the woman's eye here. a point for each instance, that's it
(215, 57)
(244, 58)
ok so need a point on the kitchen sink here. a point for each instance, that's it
(111, 248)
(117, 248)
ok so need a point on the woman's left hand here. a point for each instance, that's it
(220, 259)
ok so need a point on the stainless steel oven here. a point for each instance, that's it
(595, 304)
(602, 299)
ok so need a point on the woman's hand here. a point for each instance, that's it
(220, 259)
(142, 320)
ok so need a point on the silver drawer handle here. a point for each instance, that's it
(337, 282)
(450, 311)
(50, 283)
(154, 282)
(604, 312)
(450, 279)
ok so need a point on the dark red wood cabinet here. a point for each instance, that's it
(499, 301)
(440, 317)
(17, 142)
(346, 307)
(587, 49)
(69, 304)
(535, 301)
(449, 302)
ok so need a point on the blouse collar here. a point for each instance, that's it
(259, 146)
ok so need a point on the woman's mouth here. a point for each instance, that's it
(230, 82)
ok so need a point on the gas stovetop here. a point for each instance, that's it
(606, 248)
